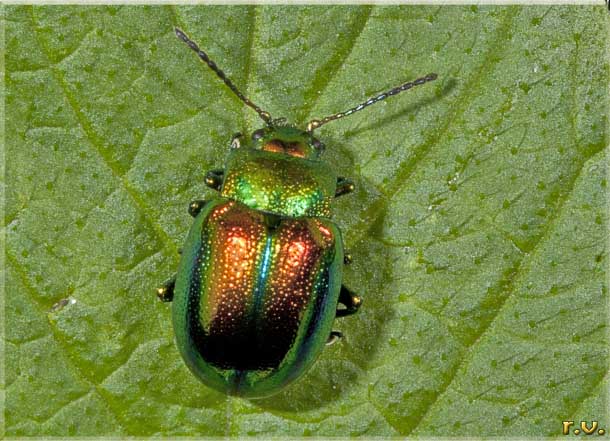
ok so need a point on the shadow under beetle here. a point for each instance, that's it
(259, 280)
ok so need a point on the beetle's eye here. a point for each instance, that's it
(318, 145)
(258, 134)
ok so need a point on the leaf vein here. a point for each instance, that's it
(408, 166)
(139, 202)
(336, 66)
(520, 269)
(32, 293)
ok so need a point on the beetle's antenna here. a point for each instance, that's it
(265, 116)
(315, 123)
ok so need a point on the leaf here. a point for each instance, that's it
(478, 228)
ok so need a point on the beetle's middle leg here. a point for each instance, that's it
(166, 291)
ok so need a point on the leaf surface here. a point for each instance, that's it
(479, 227)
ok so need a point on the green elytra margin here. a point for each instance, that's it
(476, 228)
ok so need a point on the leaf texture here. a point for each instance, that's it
(479, 227)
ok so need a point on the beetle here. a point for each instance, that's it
(259, 281)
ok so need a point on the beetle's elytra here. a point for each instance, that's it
(259, 280)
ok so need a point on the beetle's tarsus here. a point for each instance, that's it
(214, 179)
(195, 208)
(334, 337)
(344, 186)
(351, 301)
(166, 291)
(236, 140)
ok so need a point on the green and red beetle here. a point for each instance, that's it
(259, 280)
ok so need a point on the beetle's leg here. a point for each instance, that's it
(344, 186)
(347, 257)
(214, 178)
(166, 291)
(195, 207)
(236, 140)
(351, 301)
(334, 337)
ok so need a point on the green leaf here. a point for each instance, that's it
(479, 227)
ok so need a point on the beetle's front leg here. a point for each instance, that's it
(351, 301)
(344, 186)
(214, 178)
(166, 291)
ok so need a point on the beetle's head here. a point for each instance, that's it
(287, 140)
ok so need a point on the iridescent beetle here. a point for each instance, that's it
(259, 280)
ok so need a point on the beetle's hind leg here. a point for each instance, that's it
(334, 337)
(236, 140)
(351, 301)
(215, 178)
(166, 291)
(344, 186)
